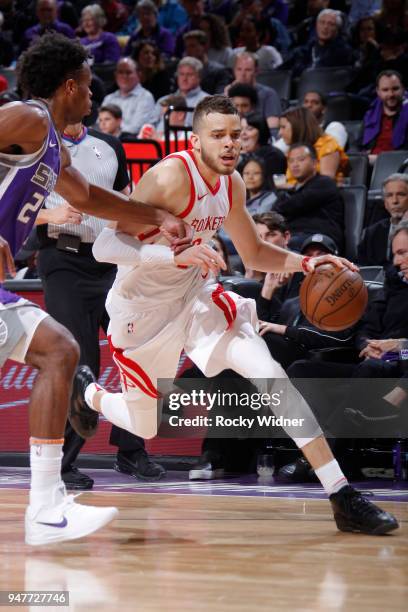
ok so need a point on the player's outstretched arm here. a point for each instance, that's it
(107, 204)
(122, 249)
(259, 255)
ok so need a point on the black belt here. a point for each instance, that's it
(84, 248)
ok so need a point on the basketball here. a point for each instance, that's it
(333, 298)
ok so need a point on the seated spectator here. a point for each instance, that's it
(219, 44)
(251, 35)
(46, 11)
(289, 335)
(275, 9)
(172, 16)
(218, 244)
(259, 186)
(316, 205)
(102, 46)
(149, 29)
(110, 120)
(116, 14)
(177, 118)
(304, 16)
(6, 46)
(392, 16)
(316, 102)
(244, 98)
(152, 73)
(214, 76)
(375, 246)
(188, 85)
(255, 138)
(326, 50)
(393, 54)
(136, 103)
(272, 228)
(195, 12)
(366, 52)
(386, 121)
(300, 125)
(269, 106)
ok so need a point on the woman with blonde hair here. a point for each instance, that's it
(102, 46)
(300, 125)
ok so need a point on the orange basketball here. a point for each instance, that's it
(333, 298)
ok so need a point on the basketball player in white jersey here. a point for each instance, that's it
(157, 308)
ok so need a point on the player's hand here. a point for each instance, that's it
(64, 214)
(203, 256)
(275, 328)
(340, 262)
(177, 232)
(6, 260)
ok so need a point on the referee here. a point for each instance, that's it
(75, 285)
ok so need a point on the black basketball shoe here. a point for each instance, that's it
(83, 419)
(353, 512)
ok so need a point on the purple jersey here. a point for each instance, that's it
(25, 182)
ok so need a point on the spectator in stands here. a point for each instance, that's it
(393, 54)
(306, 14)
(375, 246)
(110, 120)
(171, 15)
(188, 82)
(316, 205)
(259, 186)
(366, 52)
(149, 29)
(6, 47)
(251, 37)
(218, 244)
(272, 228)
(219, 44)
(300, 125)
(386, 121)
(326, 50)
(392, 16)
(316, 102)
(195, 12)
(177, 118)
(275, 9)
(255, 137)
(152, 72)
(269, 106)
(214, 76)
(286, 331)
(102, 46)
(46, 11)
(136, 103)
(244, 97)
(116, 14)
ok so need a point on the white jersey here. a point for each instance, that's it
(205, 212)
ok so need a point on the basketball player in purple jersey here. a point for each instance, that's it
(55, 73)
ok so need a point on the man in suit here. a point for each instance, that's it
(375, 246)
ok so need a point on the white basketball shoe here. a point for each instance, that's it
(64, 520)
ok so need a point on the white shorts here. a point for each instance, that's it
(146, 345)
(17, 328)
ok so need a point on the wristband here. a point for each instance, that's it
(304, 264)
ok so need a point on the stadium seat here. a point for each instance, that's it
(280, 80)
(141, 154)
(354, 211)
(359, 168)
(386, 164)
(325, 80)
(354, 130)
(245, 287)
(372, 273)
(338, 108)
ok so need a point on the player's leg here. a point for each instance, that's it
(243, 351)
(51, 516)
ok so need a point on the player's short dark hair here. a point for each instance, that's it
(303, 145)
(47, 63)
(113, 109)
(273, 221)
(213, 104)
(242, 90)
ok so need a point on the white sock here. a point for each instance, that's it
(45, 461)
(331, 477)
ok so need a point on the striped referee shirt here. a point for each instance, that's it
(101, 159)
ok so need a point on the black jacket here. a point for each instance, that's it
(373, 247)
(315, 207)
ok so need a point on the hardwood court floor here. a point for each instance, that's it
(170, 552)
